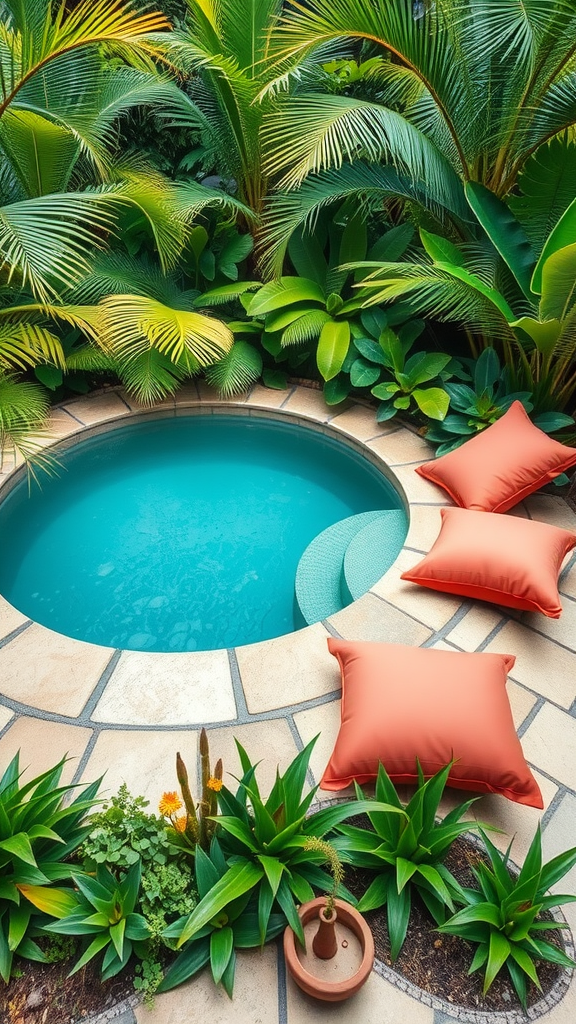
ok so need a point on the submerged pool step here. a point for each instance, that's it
(319, 572)
(371, 552)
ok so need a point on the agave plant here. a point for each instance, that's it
(236, 926)
(502, 919)
(406, 851)
(265, 846)
(38, 831)
(104, 908)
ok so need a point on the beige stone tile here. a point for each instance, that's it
(199, 1000)
(402, 447)
(559, 836)
(370, 619)
(360, 422)
(168, 689)
(287, 670)
(270, 743)
(5, 716)
(96, 408)
(562, 630)
(310, 403)
(50, 671)
(209, 394)
(377, 1002)
(419, 489)
(521, 701)
(166, 403)
(474, 627)
(61, 423)
(424, 528)
(10, 618)
(42, 744)
(428, 606)
(144, 760)
(548, 508)
(549, 743)
(185, 396)
(540, 664)
(267, 398)
(322, 721)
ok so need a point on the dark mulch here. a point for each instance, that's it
(439, 963)
(45, 995)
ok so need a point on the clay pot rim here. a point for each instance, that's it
(331, 991)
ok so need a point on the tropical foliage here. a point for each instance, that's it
(406, 851)
(39, 829)
(502, 919)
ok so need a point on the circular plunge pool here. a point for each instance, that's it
(179, 534)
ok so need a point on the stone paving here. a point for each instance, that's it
(126, 713)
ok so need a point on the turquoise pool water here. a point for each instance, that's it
(179, 534)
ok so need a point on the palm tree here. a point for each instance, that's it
(470, 90)
(62, 191)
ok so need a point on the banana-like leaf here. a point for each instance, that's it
(558, 283)
(544, 333)
(561, 236)
(504, 231)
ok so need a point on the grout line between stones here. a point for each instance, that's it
(288, 396)
(527, 722)
(242, 713)
(15, 632)
(553, 806)
(538, 768)
(85, 756)
(8, 725)
(85, 714)
(282, 989)
(492, 634)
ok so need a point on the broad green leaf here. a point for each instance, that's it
(440, 249)
(398, 914)
(544, 333)
(19, 846)
(56, 902)
(247, 935)
(93, 949)
(332, 348)
(376, 894)
(276, 379)
(363, 374)
(117, 935)
(433, 402)
(186, 965)
(424, 366)
(19, 919)
(504, 231)
(498, 953)
(483, 912)
(336, 390)
(562, 235)
(282, 293)
(221, 946)
(392, 347)
(240, 878)
(486, 371)
(274, 870)
(559, 283)
(404, 871)
(239, 830)
(475, 282)
(371, 350)
(392, 245)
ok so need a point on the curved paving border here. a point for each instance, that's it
(127, 712)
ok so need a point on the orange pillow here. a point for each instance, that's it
(510, 561)
(496, 469)
(401, 703)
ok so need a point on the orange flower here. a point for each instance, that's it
(169, 804)
(180, 822)
(215, 784)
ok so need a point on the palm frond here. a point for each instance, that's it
(237, 371)
(150, 375)
(116, 273)
(24, 345)
(133, 324)
(546, 187)
(306, 328)
(24, 409)
(89, 357)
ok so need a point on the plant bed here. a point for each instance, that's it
(439, 964)
(44, 994)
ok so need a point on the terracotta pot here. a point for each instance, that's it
(313, 975)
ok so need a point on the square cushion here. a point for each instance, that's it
(510, 561)
(401, 703)
(496, 469)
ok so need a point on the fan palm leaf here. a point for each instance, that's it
(24, 410)
(237, 371)
(150, 375)
(133, 324)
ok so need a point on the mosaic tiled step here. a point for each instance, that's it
(319, 575)
(371, 552)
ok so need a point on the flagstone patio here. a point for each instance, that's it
(126, 713)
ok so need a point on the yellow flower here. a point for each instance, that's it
(180, 822)
(215, 784)
(169, 804)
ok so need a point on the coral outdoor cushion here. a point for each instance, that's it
(510, 561)
(496, 469)
(401, 703)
